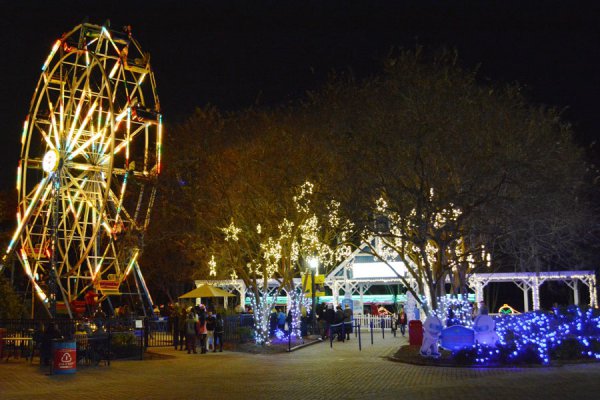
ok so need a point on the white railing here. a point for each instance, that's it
(366, 319)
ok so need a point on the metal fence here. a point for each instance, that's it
(100, 340)
(365, 320)
(162, 331)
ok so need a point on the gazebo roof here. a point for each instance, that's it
(362, 266)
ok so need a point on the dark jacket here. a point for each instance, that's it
(402, 319)
(210, 323)
(348, 315)
(219, 325)
(330, 315)
(321, 311)
(339, 316)
(190, 325)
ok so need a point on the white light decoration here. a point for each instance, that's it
(212, 265)
(231, 232)
(454, 311)
(282, 253)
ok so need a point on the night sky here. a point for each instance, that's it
(234, 54)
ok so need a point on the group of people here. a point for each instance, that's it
(336, 322)
(399, 320)
(196, 327)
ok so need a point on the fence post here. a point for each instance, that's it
(359, 341)
(330, 337)
(146, 332)
(109, 345)
(141, 344)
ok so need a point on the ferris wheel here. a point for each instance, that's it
(90, 156)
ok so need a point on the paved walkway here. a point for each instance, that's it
(313, 372)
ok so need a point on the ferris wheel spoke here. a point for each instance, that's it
(54, 129)
(44, 187)
(108, 260)
(80, 166)
(44, 135)
(74, 119)
(98, 96)
(69, 236)
(88, 202)
(123, 143)
(122, 210)
(87, 199)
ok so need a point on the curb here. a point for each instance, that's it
(300, 346)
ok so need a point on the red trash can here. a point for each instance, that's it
(415, 332)
(64, 356)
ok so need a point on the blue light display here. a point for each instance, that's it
(538, 337)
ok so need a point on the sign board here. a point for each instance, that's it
(319, 285)
(348, 302)
(457, 337)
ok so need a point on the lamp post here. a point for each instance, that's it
(313, 262)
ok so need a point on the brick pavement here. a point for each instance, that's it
(313, 372)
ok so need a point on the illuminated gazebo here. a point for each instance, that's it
(527, 281)
(361, 270)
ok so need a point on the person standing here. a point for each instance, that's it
(329, 320)
(348, 321)
(339, 322)
(483, 309)
(210, 331)
(190, 333)
(219, 330)
(402, 321)
(272, 322)
(281, 321)
(474, 311)
(321, 309)
(303, 321)
(48, 336)
(201, 328)
(174, 322)
(181, 327)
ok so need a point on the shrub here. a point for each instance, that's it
(246, 334)
(11, 307)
